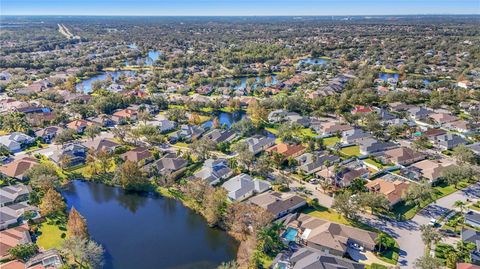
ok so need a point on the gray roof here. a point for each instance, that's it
(308, 258)
(355, 134)
(450, 140)
(214, 170)
(472, 216)
(371, 145)
(242, 184)
(312, 162)
(257, 143)
(11, 193)
(219, 136)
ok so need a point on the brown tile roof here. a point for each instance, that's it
(403, 155)
(12, 237)
(392, 190)
(136, 155)
(18, 167)
(287, 150)
(78, 123)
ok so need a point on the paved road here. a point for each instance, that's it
(407, 233)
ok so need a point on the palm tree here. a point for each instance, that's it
(461, 205)
(429, 235)
(381, 240)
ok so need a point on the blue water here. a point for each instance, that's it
(242, 82)
(86, 85)
(151, 58)
(148, 231)
(227, 119)
(313, 61)
(290, 234)
(386, 76)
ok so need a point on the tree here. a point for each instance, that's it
(76, 225)
(202, 148)
(92, 131)
(464, 154)
(427, 262)
(373, 200)
(429, 235)
(455, 174)
(382, 240)
(43, 176)
(460, 205)
(421, 143)
(121, 131)
(130, 176)
(346, 204)
(419, 193)
(14, 122)
(244, 156)
(214, 204)
(244, 219)
(269, 240)
(263, 165)
(177, 115)
(23, 251)
(84, 252)
(65, 136)
(257, 114)
(52, 203)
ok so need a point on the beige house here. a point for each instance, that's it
(393, 190)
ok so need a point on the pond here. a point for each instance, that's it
(86, 85)
(147, 230)
(152, 57)
(313, 61)
(241, 82)
(226, 118)
(386, 76)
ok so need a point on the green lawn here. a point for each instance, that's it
(351, 151)
(331, 141)
(307, 132)
(441, 190)
(326, 214)
(51, 235)
(374, 163)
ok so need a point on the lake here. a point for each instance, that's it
(86, 85)
(152, 57)
(313, 61)
(225, 118)
(386, 76)
(148, 230)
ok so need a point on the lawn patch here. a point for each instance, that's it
(351, 151)
(50, 234)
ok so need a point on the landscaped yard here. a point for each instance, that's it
(331, 141)
(351, 151)
(407, 212)
(51, 235)
(378, 165)
(326, 214)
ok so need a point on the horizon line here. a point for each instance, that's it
(254, 15)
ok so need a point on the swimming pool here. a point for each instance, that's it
(290, 234)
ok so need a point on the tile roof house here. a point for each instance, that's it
(79, 125)
(17, 168)
(442, 118)
(371, 145)
(125, 114)
(47, 134)
(306, 258)
(12, 237)
(14, 194)
(330, 237)
(463, 265)
(331, 128)
(10, 214)
(15, 141)
(258, 143)
(393, 190)
(310, 163)
(403, 156)
(428, 169)
(244, 186)
(419, 113)
(287, 150)
(279, 204)
(344, 175)
(431, 133)
(362, 110)
(214, 170)
(101, 144)
(459, 126)
(137, 155)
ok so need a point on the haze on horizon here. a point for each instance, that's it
(237, 8)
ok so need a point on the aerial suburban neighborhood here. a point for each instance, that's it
(343, 142)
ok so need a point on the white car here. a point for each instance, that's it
(432, 222)
(356, 246)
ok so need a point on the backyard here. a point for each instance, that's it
(52, 234)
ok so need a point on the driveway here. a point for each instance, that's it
(366, 257)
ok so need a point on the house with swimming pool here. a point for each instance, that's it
(329, 237)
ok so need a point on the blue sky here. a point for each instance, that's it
(237, 7)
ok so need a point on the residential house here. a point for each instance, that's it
(167, 165)
(475, 148)
(432, 133)
(13, 237)
(472, 236)
(371, 145)
(188, 132)
(345, 174)
(11, 214)
(426, 169)
(214, 171)
(166, 126)
(16, 141)
(329, 237)
(258, 143)
(277, 116)
(287, 150)
(47, 259)
(472, 218)
(461, 126)
(101, 144)
(362, 110)
(310, 163)
(402, 156)
(125, 115)
(354, 135)
(449, 141)
(418, 113)
(279, 204)
(17, 168)
(14, 194)
(244, 186)
(220, 136)
(306, 258)
(47, 134)
(79, 125)
(102, 120)
(442, 118)
(69, 155)
(138, 155)
(463, 265)
(330, 128)
(392, 189)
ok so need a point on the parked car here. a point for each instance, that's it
(356, 246)
(433, 222)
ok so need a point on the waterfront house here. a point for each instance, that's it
(244, 186)
(258, 143)
(214, 170)
(279, 204)
(17, 168)
(308, 257)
